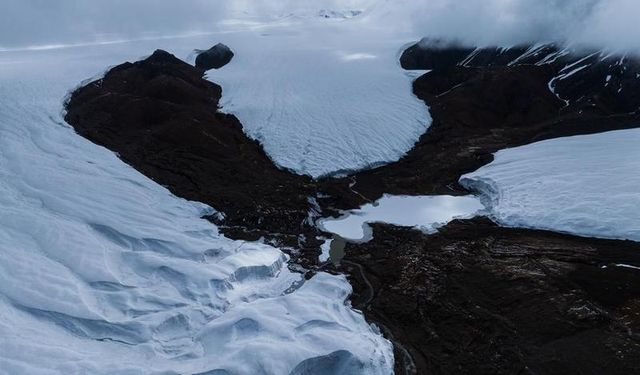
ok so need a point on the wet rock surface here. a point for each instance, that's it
(214, 58)
(476, 298)
(473, 298)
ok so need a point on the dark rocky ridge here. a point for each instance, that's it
(476, 298)
(588, 79)
(162, 117)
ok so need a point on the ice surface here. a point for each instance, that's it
(422, 212)
(585, 185)
(103, 271)
(323, 95)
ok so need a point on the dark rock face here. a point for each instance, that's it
(479, 299)
(214, 58)
(162, 118)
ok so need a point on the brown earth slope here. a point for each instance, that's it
(476, 298)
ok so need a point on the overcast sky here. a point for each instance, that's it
(608, 23)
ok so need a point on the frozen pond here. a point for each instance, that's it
(333, 250)
(422, 212)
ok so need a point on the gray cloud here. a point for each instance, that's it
(41, 22)
(501, 21)
(604, 23)
(601, 23)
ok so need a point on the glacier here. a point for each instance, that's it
(323, 96)
(584, 185)
(104, 271)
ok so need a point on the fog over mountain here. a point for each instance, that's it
(609, 23)
(602, 23)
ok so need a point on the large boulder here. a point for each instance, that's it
(214, 58)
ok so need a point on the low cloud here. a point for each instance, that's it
(40, 22)
(599, 23)
(602, 23)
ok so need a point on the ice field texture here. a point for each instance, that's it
(585, 185)
(104, 271)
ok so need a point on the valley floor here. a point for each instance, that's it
(100, 261)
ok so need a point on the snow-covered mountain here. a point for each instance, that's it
(583, 77)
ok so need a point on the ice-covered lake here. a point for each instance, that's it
(426, 213)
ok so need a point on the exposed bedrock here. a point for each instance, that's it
(161, 116)
(476, 298)
(593, 79)
(214, 58)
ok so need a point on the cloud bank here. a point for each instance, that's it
(602, 23)
(41, 22)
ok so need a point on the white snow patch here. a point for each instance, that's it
(627, 266)
(426, 213)
(585, 185)
(621, 266)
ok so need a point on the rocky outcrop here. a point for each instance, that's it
(476, 298)
(214, 58)
(473, 298)
(162, 118)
